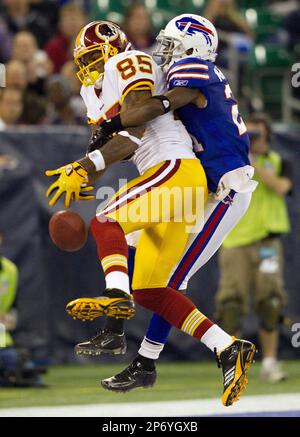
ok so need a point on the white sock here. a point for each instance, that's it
(268, 362)
(150, 349)
(216, 338)
(118, 280)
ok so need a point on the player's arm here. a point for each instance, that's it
(281, 185)
(121, 146)
(148, 109)
(73, 179)
(155, 106)
(97, 174)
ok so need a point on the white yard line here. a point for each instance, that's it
(201, 407)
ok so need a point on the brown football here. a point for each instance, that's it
(67, 231)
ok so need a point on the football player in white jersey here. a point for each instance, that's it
(114, 79)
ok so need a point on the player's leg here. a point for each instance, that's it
(194, 323)
(235, 283)
(108, 229)
(132, 209)
(220, 218)
(111, 339)
(269, 298)
(234, 356)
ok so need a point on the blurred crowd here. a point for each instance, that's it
(37, 38)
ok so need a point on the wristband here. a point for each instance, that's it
(165, 103)
(97, 159)
(135, 140)
(111, 126)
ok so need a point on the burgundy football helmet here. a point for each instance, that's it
(104, 37)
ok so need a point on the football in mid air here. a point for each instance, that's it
(68, 231)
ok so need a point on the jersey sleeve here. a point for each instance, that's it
(195, 74)
(89, 112)
(92, 105)
(134, 72)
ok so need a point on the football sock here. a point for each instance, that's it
(147, 363)
(150, 349)
(158, 330)
(114, 325)
(216, 338)
(113, 252)
(268, 362)
(180, 312)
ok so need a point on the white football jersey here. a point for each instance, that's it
(165, 138)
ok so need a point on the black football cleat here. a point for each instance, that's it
(135, 375)
(235, 361)
(104, 342)
(114, 303)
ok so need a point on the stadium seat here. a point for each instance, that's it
(109, 9)
(267, 68)
(264, 23)
(174, 7)
(195, 6)
(256, 4)
(162, 10)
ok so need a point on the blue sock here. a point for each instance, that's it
(158, 329)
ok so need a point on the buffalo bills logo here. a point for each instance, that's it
(195, 27)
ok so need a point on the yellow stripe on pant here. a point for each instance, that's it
(164, 202)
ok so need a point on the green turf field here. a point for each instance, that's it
(71, 385)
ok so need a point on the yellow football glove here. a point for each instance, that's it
(73, 181)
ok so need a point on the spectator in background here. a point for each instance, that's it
(232, 28)
(60, 47)
(69, 72)
(225, 15)
(36, 61)
(60, 111)
(251, 259)
(8, 288)
(139, 28)
(282, 7)
(291, 30)
(16, 75)
(235, 39)
(6, 42)
(16, 368)
(11, 107)
(34, 105)
(19, 15)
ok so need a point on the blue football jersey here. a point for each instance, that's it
(218, 129)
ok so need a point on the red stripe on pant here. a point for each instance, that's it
(197, 250)
(159, 171)
(171, 305)
(140, 185)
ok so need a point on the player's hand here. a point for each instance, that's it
(72, 181)
(98, 139)
(85, 192)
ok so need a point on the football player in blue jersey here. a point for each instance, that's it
(203, 99)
